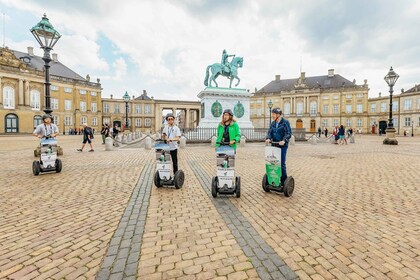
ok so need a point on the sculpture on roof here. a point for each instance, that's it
(225, 68)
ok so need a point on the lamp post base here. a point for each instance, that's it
(390, 137)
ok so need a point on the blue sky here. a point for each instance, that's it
(164, 47)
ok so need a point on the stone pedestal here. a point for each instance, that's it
(292, 140)
(352, 139)
(182, 142)
(109, 144)
(148, 143)
(213, 141)
(390, 137)
(243, 141)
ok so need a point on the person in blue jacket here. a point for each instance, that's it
(280, 132)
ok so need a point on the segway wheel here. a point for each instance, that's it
(289, 186)
(238, 186)
(179, 179)
(36, 167)
(214, 186)
(157, 180)
(58, 165)
(265, 183)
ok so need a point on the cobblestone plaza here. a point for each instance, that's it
(354, 215)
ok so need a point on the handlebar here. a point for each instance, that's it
(223, 143)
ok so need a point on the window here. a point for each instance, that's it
(138, 122)
(147, 122)
(54, 103)
(82, 106)
(372, 121)
(395, 122)
(359, 108)
(106, 108)
(373, 107)
(56, 120)
(335, 97)
(116, 108)
(407, 104)
(35, 98)
(359, 123)
(313, 108)
(348, 96)
(335, 122)
(348, 122)
(68, 90)
(94, 121)
(54, 87)
(335, 108)
(348, 108)
(286, 109)
(37, 120)
(106, 120)
(93, 106)
(395, 107)
(259, 101)
(68, 120)
(67, 105)
(83, 119)
(8, 98)
(325, 97)
(407, 121)
(267, 123)
(129, 122)
(418, 123)
(82, 91)
(325, 122)
(325, 109)
(383, 107)
(138, 109)
(93, 93)
(148, 109)
(299, 108)
(418, 103)
(360, 95)
(267, 111)
(259, 110)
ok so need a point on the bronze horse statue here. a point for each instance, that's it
(217, 69)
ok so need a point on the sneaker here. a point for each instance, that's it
(90, 150)
(80, 150)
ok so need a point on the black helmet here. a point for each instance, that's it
(276, 111)
(229, 111)
(169, 115)
(46, 116)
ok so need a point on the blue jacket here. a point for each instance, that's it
(279, 131)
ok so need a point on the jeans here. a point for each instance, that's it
(283, 164)
(174, 156)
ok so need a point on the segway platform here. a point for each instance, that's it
(48, 160)
(164, 166)
(225, 182)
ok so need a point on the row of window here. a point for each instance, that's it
(312, 109)
(138, 108)
(349, 123)
(324, 97)
(70, 90)
(137, 121)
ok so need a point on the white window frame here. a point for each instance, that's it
(68, 120)
(54, 103)
(313, 106)
(8, 97)
(116, 108)
(407, 104)
(94, 121)
(373, 107)
(83, 119)
(335, 122)
(138, 122)
(94, 107)
(407, 121)
(147, 109)
(56, 120)
(299, 108)
(383, 107)
(325, 109)
(359, 108)
(325, 122)
(106, 108)
(147, 122)
(93, 93)
(54, 87)
(68, 90)
(336, 109)
(138, 108)
(82, 91)
(35, 99)
(83, 106)
(286, 109)
(348, 123)
(349, 96)
(359, 123)
(348, 108)
(67, 104)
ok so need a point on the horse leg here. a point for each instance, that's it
(230, 84)
(238, 81)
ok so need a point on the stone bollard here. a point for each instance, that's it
(313, 140)
(182, 142)
(243, 141)
(148, 143)
(129, 138)
(158, 136)
(352, 139)
(292, 140)
(109, 142)
(213, 141)
(124, 139)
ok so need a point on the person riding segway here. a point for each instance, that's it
(278, 136)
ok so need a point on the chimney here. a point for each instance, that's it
(380, 93)
(330, 73)
(111, 96)
(402, 90)
(134, 97)
(30, 51)
(144, 92)
(277, 77)
(302, 75)
(54, 57)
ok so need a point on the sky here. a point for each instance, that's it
(164, 47)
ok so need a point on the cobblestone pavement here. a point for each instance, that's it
(354, 215)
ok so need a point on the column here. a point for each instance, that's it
(27, 101)
(187, 119)
(20, 98)
(305, 107)
(1, 92)
(318, 105)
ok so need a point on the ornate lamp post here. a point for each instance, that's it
(47, 37)
(126, 100)
(270, 105)
(391, 78)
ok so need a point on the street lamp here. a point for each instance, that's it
(47, 37)
(412, 128)
(270, 105)
(391, 78)
(126, 98)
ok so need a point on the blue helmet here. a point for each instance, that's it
(276, 111)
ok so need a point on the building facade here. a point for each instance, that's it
(74, 100)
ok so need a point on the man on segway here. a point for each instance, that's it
(46, 129)
(279, 132)
(171, 135)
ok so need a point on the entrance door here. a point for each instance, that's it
(118, 123)
(313, 126)
(12, 123)
(382, 127)
(299, 124)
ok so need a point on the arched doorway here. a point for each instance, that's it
(11, 123)
(313, 124)
(299, 123)
(382, 127)
(117, 123)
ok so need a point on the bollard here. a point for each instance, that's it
(313, 140)
(292, 140)
(124, 139)
(182, 142)
(213, 141)
(352, 139)
(243, 141)
(109, 142)
(129, 138)
(148, 143)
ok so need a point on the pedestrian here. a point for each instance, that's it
(228, 130)
(319, 132)
(341, 133)
(280, 133)
(115, 132)
(326, 132)
(46, 129)
(104, 132)
(171, 135)
(87, 137)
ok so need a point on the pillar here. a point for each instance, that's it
(20, 98)
(187, 119)
(1, 92)
(27, 100)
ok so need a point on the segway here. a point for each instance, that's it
(272, 178)
(225, 182)
(48, 160)
(164, 166)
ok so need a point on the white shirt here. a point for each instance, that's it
(46, 129)
(172, 132)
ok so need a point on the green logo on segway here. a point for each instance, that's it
(216, 109)
(239, 110)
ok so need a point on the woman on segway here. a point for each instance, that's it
(280, 132)
(228, 130)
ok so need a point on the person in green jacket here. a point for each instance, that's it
(228, 130)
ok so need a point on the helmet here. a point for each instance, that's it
(276, 111)
(229, 111)
(46, 116)
(169, 115)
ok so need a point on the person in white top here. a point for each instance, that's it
(46, 129)
(171, 133)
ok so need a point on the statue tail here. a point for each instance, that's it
(206, 80)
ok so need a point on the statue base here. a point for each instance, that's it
(390, 137)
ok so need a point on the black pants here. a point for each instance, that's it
(174, 156)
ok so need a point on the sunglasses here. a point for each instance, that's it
(170, 119)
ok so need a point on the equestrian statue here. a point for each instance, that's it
(225, 68)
